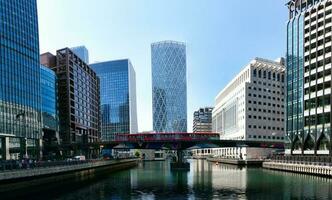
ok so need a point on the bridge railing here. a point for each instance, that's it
(166, 137)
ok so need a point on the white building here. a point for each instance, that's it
(251, 107)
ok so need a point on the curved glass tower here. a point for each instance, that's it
(20, 100)
(169, 86)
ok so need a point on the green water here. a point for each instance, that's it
(154, 180)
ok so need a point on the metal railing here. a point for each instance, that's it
(31, 164)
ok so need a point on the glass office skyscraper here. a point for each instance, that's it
(49, 109)
(82, 52)
(169, 86)
(309, 77)
(118, 97)
(20, 102)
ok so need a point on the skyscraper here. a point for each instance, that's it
(82, 52)
(49, 110)
(78, 89)
(169, 86)
(309, 77)
(118, 97)
(20, 102)
(203, 120)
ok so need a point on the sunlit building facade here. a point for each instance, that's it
(202, 122)
(309, 77)
(117, 97)
(251, 107)
(20, 99)
(169, 86)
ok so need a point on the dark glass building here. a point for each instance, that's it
(309, 77)
(79, 99)
(20, 100)
(118, 97)
(49, 110)
(169, 86)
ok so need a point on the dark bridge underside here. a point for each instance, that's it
(181, 145)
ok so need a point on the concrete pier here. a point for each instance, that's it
(13, 175)
(253, 162)
(314, 169)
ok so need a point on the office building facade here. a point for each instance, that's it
(169, 86)
(20, 100)
(82, 52)
(117, 97)
(78, 89)
(202, 122)
(49, 112)
(309, 77)
(251, 107)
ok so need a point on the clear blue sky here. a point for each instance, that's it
(221, 36)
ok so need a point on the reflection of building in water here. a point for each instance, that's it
(157, 178)
(209, 178)
(229, 176)
(202, 175)
(142, 177)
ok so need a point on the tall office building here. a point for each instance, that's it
(82, 52)
(78, 91)
(309, 77)
(203, 120)
(20, 102)
(49, 111)
(117, 97)
(251, 107)
(169, 86)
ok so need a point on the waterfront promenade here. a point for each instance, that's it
(54, 168)
(321, 166)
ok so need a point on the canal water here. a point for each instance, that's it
(154, 180)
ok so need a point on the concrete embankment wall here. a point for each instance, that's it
(236, 161)
(320, 170)
(52, 171)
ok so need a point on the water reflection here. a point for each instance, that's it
(154, 180)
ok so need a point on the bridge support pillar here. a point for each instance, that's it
(180, 163)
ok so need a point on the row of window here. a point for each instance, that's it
(320, 24)
(269, 75)
(266, 111)
(266, 127)
(313, 36)
(264, 103)
(265, 118)
(317, 102)
(266, 137)
(267, 104)
(268, 84)
(315, 65)
(266, 90)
